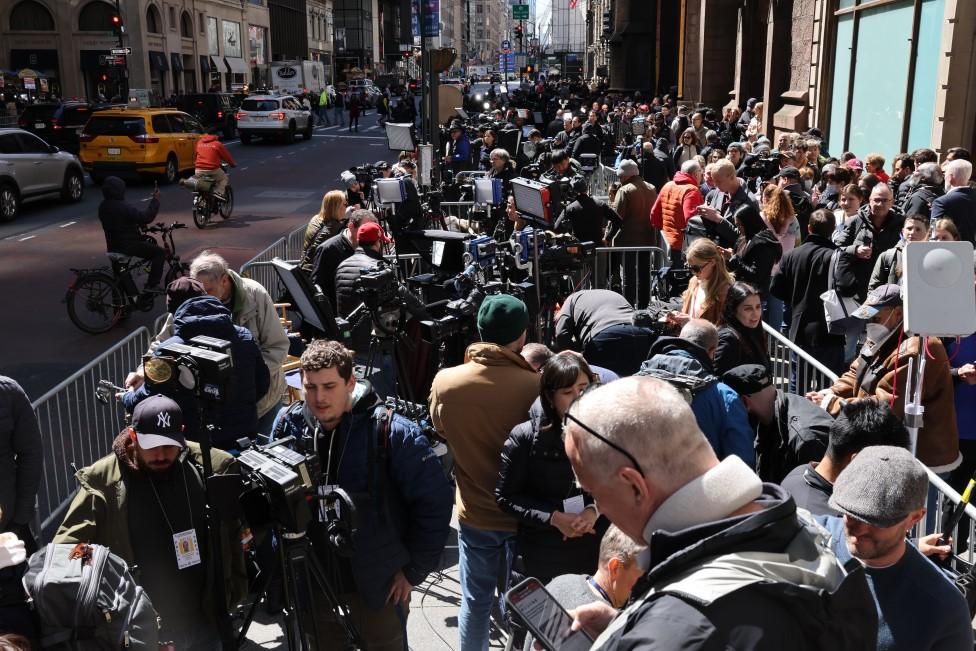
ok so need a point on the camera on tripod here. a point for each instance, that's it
(378, 287)
(203, 367)
(365, 173)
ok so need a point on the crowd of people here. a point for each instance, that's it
(654, 478)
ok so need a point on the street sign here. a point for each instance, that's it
(506, 46)
(520, 12)
(121, 51)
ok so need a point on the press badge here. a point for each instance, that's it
(187, 549)
(574, 504)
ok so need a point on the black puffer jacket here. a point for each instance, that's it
(534, 479)
(853, 271)
(121, 219)
(754, 265)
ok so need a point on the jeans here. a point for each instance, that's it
(339, 115)
(324, 115)
(773, 313)
(265, 422)
(621, 348)
(485, 560)
(148, 251)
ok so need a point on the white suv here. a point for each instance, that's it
(273, 115)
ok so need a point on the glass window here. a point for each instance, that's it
(161, 124)
(31, 16)
(113, 126)
(177, 123)
(926, 74)
(9, 144)
(153, 20)
(259, 105)
(842, 71)
(31, 144)
(95, 17)
(76, 116)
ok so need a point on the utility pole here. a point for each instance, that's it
(119, 26)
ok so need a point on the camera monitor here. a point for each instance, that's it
(533, 200)
(539, 119)
(488, 191)
(588, 162)
(637, 127)
(441, 249)
(391, 190)
(315, 308)
(510, 140)
(523, 113)
(400, 137)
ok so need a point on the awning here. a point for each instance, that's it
(177, 61)
(90, 59)
(213, 65)
(236, 65)
(204, 64)
(157, 61)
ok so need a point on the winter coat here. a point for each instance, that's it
(753, 610)
(888, 269)
(99, 512)
(534, 479)
(798, 435)
(476, 428)
(675, 205)
(327, 258)
(938, 439)
(402, 496)
(919, 201)
(739, 345)
(254, 309)
(317, 231)
(120, 219)
(236, 416)
(958, 205)
(754, 265)
(633, 203)
(854, 271)
(347, 299)
(21, 455)
(800, 280)
(720, 413)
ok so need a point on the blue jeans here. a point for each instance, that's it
(485, 559)
(339, 115)
(324, 114)
(773, 313)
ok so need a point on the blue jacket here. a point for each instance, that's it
(959, 205)
(237, 416)
(404, 516)
(717, 408)
(965, 394)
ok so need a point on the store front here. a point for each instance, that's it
(158, 67)
(237, 71)
(102, 82)
(36, 73)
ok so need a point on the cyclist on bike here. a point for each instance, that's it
(122, 223)
(210, 153)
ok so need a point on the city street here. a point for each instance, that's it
(277, 188)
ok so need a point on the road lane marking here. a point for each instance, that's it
(351, 137)
(29, 237)
(66, 225)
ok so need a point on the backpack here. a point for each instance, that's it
(86, 599)
(837, 308)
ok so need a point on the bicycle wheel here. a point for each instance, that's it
(200, 216)
(95, 303)
(177, 271)
(226, 207)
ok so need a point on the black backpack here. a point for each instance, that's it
(86, 599)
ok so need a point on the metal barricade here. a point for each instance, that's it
(76, 429)
(295, 244)
(629, 270)
(459, 209)
(259, 268)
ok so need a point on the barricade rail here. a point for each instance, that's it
(76, 429)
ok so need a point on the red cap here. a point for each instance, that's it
(371, 232)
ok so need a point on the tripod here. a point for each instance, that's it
(386, 344)
(300, 571)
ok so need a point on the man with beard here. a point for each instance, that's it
(146, 503)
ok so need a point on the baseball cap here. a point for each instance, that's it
(855, 164)
(881, 486)
(788, 172)
(158, 421)
(748, 379)
(348, 177)
(879, 297)
(371, 232)
(382, 165)
(627, 168)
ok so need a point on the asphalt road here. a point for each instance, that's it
(277, 187)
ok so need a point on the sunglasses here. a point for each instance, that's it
(589, 430)
(697, 268)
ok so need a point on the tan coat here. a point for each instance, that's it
(475, 406)
(633, 203)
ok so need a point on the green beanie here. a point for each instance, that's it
(502, 319)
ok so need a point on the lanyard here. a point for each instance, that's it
(160, 502)
(596, 586)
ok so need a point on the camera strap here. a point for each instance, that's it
(379, 453)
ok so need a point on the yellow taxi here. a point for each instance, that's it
(122, 141)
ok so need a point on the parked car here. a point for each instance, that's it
(212, 110)
(32, 169)
(279, 116)
(366, 89)
(139, 141)
(57, 124)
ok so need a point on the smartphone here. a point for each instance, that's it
(545, 617)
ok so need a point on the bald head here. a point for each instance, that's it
(880, 201)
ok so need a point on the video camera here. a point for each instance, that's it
(760, 166)
(365, 173)
(378, 287)
(203, 367)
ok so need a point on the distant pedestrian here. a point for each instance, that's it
(338, 106)
(354, 108)
(324, 101)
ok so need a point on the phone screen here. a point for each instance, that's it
(548, 621)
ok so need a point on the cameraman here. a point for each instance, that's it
(563, 165)
(587, 219)
(402, 497)
(147, 495)
(383, 326)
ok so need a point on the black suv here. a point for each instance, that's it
(212, 110)
(57, 124)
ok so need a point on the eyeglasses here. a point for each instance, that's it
(697, 268)
(586, 428)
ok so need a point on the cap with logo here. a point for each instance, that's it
(370, 233)
(879, 297)
(158, 421)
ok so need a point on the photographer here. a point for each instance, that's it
(383, 324)
(402, 497)
(563, 165)
(194, 314)
(334, 250)
(587, 219)
(355, 197)
(147, 495)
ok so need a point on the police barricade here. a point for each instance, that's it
(795, 371)
(76, 429)
(629, 270)
(259, 267)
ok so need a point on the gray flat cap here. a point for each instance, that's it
(881, 486)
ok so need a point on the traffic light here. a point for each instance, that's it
(607, 22)
(518, 31)
(528, 70)
(117, 27)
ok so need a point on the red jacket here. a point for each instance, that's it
(210, 152)
(674, 207)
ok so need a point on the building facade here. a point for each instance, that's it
(321, 30)
(63, 47)
(884, 77)
(486, 30)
